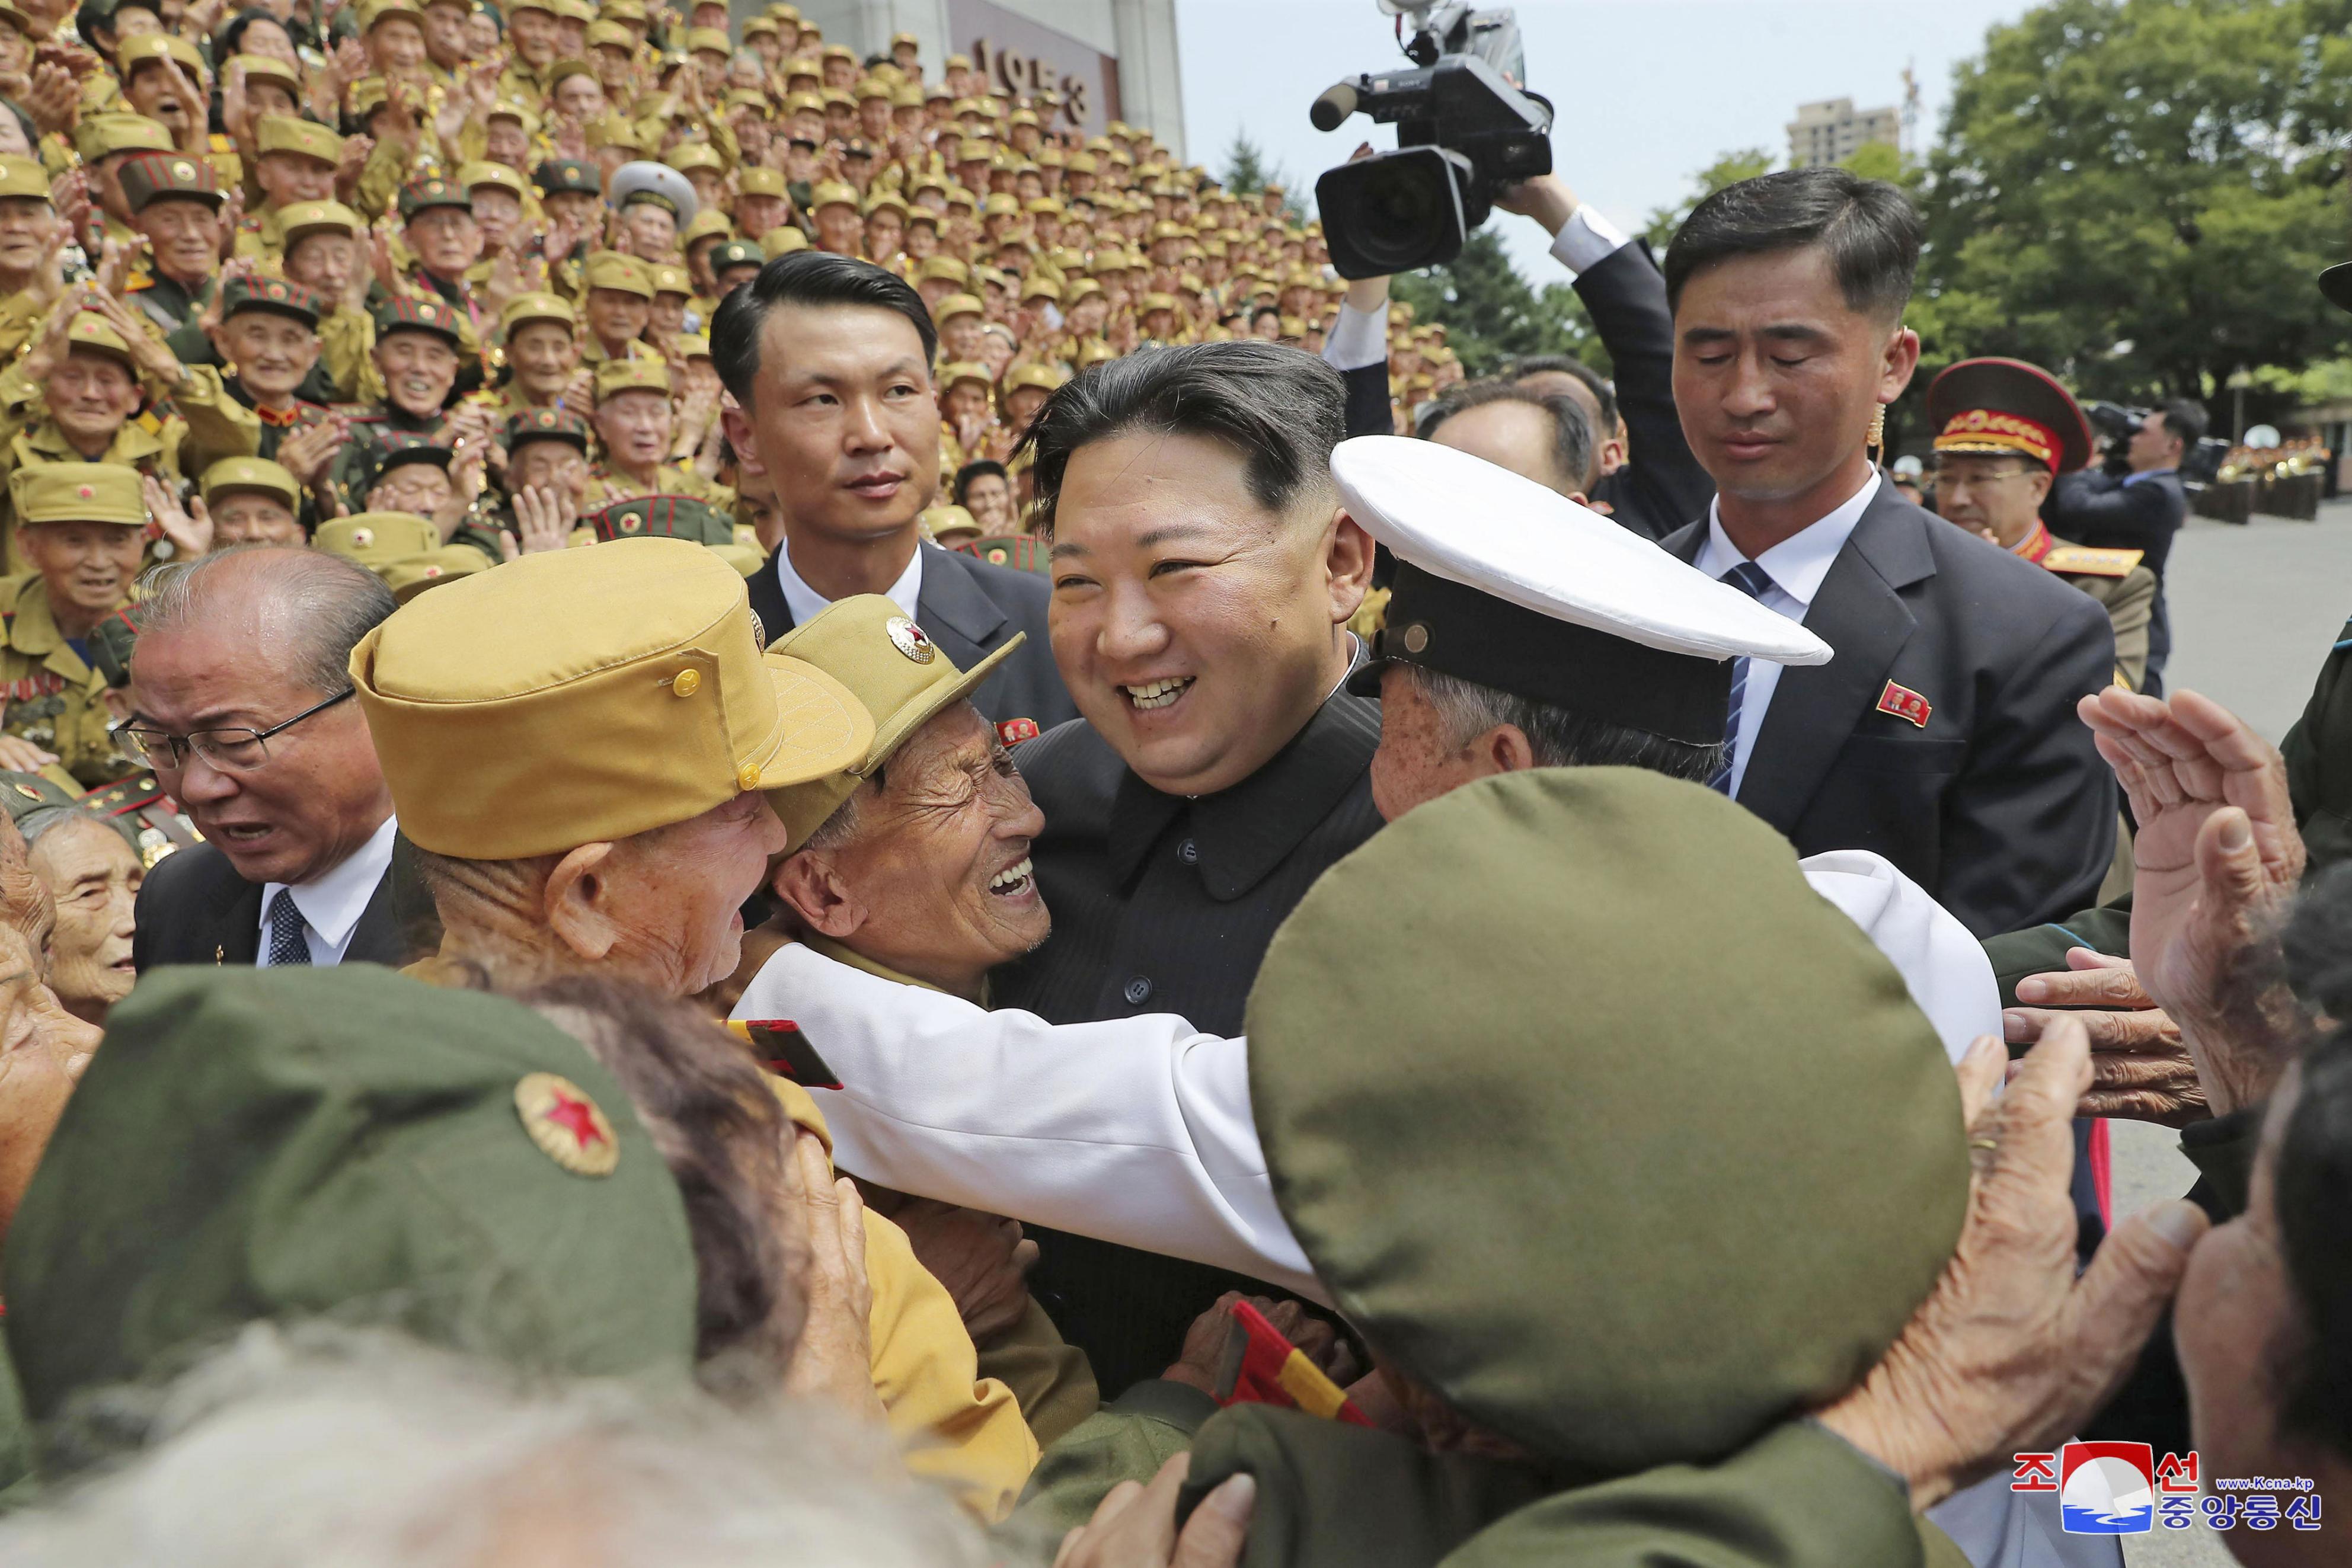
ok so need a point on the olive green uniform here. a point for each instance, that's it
(52, 698)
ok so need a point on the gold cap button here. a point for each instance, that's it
(688, 683)
(748, 776)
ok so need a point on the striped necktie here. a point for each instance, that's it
(1752, 580)
(287, 943)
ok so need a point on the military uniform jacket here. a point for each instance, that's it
(2123, 587)
(971, 609)
(1164, 905)
(2318, 752)
(52, 698)
(1943, 734)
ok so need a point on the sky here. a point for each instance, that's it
(1645, 92)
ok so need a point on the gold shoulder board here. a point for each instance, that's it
(2082, 560)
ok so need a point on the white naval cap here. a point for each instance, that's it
(658, 182)
(1506, 583)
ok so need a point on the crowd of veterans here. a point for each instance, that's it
(759, 811)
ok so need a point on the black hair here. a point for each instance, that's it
(1559, 736)
(1870, 229)
(1268, 309)
(805, 278)
(1572, 445)
(971, 471)
(1569, 365)
(231, 38)
(1281, 410)
(2186, 420)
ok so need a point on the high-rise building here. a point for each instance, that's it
(1109, 59)
(1832, 130)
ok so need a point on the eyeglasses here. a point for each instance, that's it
(230, 751)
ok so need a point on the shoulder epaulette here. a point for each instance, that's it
(2082, 560)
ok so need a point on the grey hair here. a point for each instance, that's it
(1558, 736)
(297, 1447)
(41, 820)
(322, 604)
(1571, 434)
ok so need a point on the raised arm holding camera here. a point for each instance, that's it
(2136, 502)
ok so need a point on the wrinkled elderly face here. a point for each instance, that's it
(498, 212)
(91, 395)
(934, 881)
(323, 261)
(616, 315)
(396, 45)
(1982, 493)
(580, 95)
(533, 33)
(654, 230)
(93, 879)
(418, 487)
(635, 427)
(508, 142)
(446, 239)
(25, 225)
(287, 178)
(543, 354)
(272, 352)
(152, 94)
(673, 896)
(419, 368)
(43, 1048)
(88, 566)
(252, 517)
(552, 464)
(183, 233)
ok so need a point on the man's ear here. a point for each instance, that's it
(738, 425)
(573, 903)
(1347, 562)
(808, 883)
(1901, 359)
(1504, 749)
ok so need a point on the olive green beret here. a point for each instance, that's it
(1598, 1120)
(291, 1143)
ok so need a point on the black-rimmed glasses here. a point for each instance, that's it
(236, 750)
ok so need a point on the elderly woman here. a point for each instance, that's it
(92, 875)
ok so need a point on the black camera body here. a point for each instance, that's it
(1466, 131)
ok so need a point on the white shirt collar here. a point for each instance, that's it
(1797, 564)
(331, 905)
(806, 603)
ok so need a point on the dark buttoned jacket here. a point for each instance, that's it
(1662, 486)
(1162, 904)
(1998, 804)
(970, 608)
(2113, 511)
(194, 909)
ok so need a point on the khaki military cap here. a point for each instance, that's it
(472, 177)
(895, 671)
(146, 46)
(648, 374)
(100, 134)
(23, 177)
(871, 86)
(375, 11)
(669, 280)
(584, 696)
(796, 101)
(615, 130)
(1094, 351)
(945, 523)
(1045, 377)
(1003, 203)
(1081, 164)
(782, 240)
(286, 134)
(1151, 302)
(317, 217)
(708, 224)
(539, 306)
(957, 370)
(412, 575)
(90, 330)
(760, 181)
(887, 202)
(838, 52)
(79, 493)
(251, 473)
(575, 11)
(833, 193)
(957, 63)
(833, 95)
(269, 67)
(956, 305)
(908, 96)
(1040, 287)
(376, 538)
(1680, 1204)
(758, 27)
(612, 36)
(507, 109)
(1073, 293)
(611, 269)
(940, 264)
(694, 155)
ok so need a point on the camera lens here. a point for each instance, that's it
(1404, 209)
(1395, 212)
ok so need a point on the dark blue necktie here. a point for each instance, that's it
(1752, 580)
(287, 943)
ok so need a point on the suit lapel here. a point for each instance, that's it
(768, 599)
(376, 938)
(1859, 614)
(964, 621)
(239, 941)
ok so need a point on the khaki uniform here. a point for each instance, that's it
(2123, 587)
(52, 698)
(604, 488)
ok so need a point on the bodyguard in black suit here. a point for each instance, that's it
(970, 608)
(1942, 734)
(2141, 509)
(829, 359)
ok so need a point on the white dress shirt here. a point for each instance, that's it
(1586, 240)
(806, 603)
(331, 905)
(1139, 1130)
(1796, 566)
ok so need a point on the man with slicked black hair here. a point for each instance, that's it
(1943, 734)
(829, 358)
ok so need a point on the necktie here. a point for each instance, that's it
(287, 943)
(1752, 580)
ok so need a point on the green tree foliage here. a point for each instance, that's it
(1492, 315)
(1728, 170)
(1246, 173)
(2137, 193)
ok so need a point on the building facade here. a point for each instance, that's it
(1831, 131)
(1110, 59)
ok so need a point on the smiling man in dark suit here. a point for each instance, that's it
(830, 359)
(1943, 734)
(241, 692)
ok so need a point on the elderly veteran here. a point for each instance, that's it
(616, 300)
(672, 517)
(92, 871)
(251, 501)
(632, 857)
(1593, 1368)
(83, 527)
(402, 547)
(637, 425)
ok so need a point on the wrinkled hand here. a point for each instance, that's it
(18, 755)
(2140, 1068)
(834, 1359)
(2217, 857)
(981, 1260)
(543, 521)
(352, 165)
(1205, 1342)
(190, 528)
(54, 100)
(1135, 1525)
(305, 453)
(236, 109)
(2012, 1352)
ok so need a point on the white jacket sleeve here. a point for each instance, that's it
(1135, 1131)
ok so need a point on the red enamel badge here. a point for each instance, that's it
(1013, 731)
(1904, 703)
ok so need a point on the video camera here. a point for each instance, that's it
(1467, 131)
(2112, 425)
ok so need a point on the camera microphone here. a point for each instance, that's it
(1330, 112)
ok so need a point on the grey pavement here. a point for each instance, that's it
(2255, 610)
